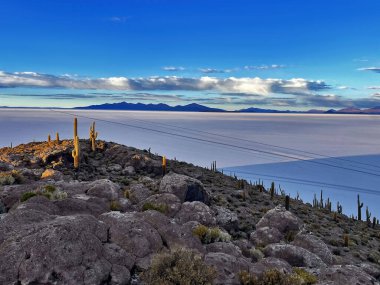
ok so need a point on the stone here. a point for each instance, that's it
(314, 245)
(168, 202)
(195, 211)
(345, 274)
(138, 193)
(294, 255)
(224, 247)
(103, 188)
(184, 187)
(269, 263)
(52, 174)
(280, 219)
(266, 235)
(225, 218)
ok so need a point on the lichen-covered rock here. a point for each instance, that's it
(138, 193)
(131, 233)
(266, 235)
(345, 274)
(195, 211)
(103, 188)
(225, 218)
(314, 245)
(228, 267)
(52, 174)
(294, 255)
(82, 204)
(184, 187)
(280, 219)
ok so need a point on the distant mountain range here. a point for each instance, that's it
(125, 106)
(201, 108)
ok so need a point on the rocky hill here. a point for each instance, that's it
(118, 220)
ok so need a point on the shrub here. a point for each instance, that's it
(276, 277)
(163, 208)
(49, 188)
(27, 195)
(115, 206)
(181, 266)
(210, 235)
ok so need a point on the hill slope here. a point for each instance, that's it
(106, 222)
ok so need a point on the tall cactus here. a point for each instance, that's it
(339, 208)
(287, 202)
(368, 216)
(49, 139)
(57, 138)
(93, 136)
(75, 128)
(163, 165)
(76, 152)
(360, 206)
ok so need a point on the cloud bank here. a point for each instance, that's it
(247, 85)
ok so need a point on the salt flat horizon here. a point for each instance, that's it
(270, 145)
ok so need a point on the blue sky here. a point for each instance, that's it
(231, 54)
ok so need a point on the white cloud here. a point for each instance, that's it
(373, 69)
(248, 85)
(264, 67)
(173, 68)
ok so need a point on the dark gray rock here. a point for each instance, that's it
(225, 218)
(195, 211)
(133, 234)
(314, 245)
(103, 188)
(345, 274)
(269, 263)
(170, 202)
(184, 187)
(280, 219)
(138, 193)
(224, 247)
(266, 235)
(294, 255)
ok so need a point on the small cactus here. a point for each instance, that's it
(49, 140)
(57, 138)
(75, 128)
(163, 165)
(315, 201)
(328, 204)
(287, 202)
(272, 189)
(339, 208)
(321, 200)
(360, 206)
(368, 216)
(76, 152)
(93, 136)
(374, 222)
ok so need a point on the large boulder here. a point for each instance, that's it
(195, 211)
(294, 255)
(266, 235)
(82, 204)
(269, 263)
(132, 233)
(314, 245)
(228, 267)
(167, 203)
(103, 188)
(224, 247)
(225, 218)
(54, 250)
(345, 274)
(280, 219)
(184, 187)
(138, 193)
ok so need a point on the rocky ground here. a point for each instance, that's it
(107, 221)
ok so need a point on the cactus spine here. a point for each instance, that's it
(163, 165)
(57, 137)
(93, 136)
(75, 153)
(360, 206)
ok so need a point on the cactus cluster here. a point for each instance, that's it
(213, 166)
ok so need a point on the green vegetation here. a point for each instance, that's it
(181, 266)
(27, 195)
(11, 177)
(275, 277)
(210, 235)
(163, 208)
